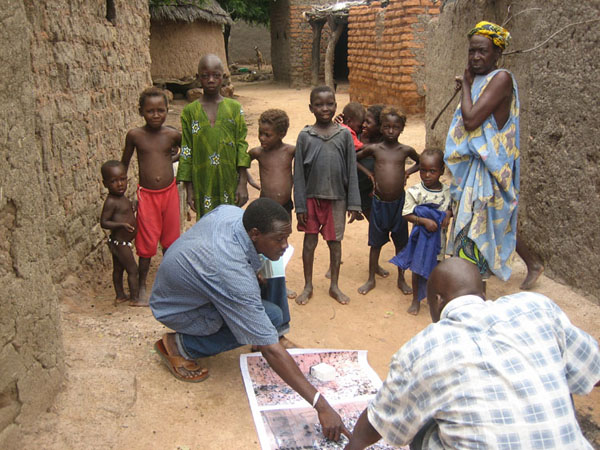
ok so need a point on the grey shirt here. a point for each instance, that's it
(325, 167)
(208, 278)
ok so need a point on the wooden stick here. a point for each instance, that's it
(444, 109)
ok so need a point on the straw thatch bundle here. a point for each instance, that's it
(189, 11)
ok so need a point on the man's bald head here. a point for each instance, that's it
(210, 61)
(450, 279)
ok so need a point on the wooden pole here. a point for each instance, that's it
(315, 63)
(336, 27)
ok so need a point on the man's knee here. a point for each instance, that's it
(274, 313)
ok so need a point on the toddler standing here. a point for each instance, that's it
(118, 217)
(427, 207)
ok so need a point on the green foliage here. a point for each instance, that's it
(253, 11)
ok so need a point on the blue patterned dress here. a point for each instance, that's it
(485, 167)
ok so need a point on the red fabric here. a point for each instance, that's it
(357, 144)
(157, 219)
(319, 218)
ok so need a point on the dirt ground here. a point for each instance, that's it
(117, 394)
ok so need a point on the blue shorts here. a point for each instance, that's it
(386, 219)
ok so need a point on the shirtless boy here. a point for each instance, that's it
(275, 158)
(118, 216)
(325, 187)
(275, 161)
(158, 199)
(389, 177)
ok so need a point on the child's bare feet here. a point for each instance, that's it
(533, 274)
(306, 295)
(138, 302)
(381, 272)
(405, 288)
(370, 284)
(120, 300)
(414, 308)
(342, 298)
(143, 295)
(291, 294)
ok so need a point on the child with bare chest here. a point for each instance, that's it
(275, 158)
(118, 217)
(158, 199)
(275, 169)
(389, 177)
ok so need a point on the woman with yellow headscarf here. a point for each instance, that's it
(482, 153)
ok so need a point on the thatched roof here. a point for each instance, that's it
(190, 11)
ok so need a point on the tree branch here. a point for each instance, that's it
(514, 52)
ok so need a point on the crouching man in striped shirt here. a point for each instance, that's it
(486, 374)
(206, 289)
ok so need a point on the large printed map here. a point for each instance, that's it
(284, 420)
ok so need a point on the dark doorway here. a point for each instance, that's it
(340, 62)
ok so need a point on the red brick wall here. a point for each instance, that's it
(384, 53)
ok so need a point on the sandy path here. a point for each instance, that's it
(118, 395)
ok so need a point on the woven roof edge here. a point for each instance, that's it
(209, 11)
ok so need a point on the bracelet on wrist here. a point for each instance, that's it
(316, 399)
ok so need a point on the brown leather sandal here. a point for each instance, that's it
(175, 363)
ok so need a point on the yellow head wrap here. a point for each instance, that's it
(499, 36)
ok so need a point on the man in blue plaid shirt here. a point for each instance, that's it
(484, 374)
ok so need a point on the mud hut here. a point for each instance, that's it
(180, 34)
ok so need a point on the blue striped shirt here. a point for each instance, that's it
(208, 278)
(490, 375)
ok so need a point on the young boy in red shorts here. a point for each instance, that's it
(325, 187)
(158, 199)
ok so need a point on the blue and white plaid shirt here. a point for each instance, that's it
(490, 375)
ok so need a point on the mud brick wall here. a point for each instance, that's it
(385, 51)
(559, 208)
(244, 36)
(68, 88)
(291, 41)
(88, 74)
(176, 48)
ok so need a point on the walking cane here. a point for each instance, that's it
(456, 91)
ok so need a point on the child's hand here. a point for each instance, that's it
(372, 178)
(353, 216)
(446, 220)
(339, 118)
(301, 217)
(130, 228)
(191, 203)
(189, 194)
(241, 195)
(430, 225)
(261, 280)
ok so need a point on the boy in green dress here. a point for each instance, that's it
(213, 157)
